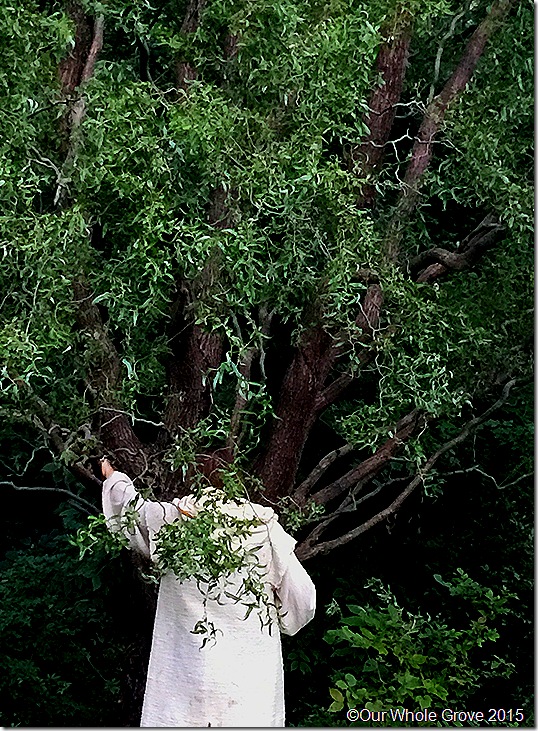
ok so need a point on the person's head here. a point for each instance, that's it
(107, 465)
(102, 466)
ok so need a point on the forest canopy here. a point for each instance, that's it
(283, 249)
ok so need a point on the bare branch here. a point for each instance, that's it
(307, 549)
(300, 493)
(60, 490)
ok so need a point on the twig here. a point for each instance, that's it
(72, 495)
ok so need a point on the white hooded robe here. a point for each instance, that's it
(238, 680)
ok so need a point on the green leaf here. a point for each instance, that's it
(336, 695)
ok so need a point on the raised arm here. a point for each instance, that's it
(139, 519)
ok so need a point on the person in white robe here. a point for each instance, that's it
(238, 679)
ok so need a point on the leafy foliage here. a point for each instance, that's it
(414, 659)
(60, 653)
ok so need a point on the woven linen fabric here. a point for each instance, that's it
(236, 680)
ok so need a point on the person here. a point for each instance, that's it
(238, 679)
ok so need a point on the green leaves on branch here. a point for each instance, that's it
(409, 658)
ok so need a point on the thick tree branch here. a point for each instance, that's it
(309, 548)
(71, 68)
(366, 470)
(295, 412)
(435, 262)
(432, 122)
(368, 321)
(391, 66)
(300, 493)
(185, 72)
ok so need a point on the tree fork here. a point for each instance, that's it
(308, 549)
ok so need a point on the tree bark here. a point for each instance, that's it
(391, 66)
(432, 122)
(295, 413)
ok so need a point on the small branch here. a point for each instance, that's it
(476, 468)
(60, 490)
(131, 416)
(308, 549)
(441, 48)
(304, 488)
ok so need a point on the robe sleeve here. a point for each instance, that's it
(293, 587)
(140, 520)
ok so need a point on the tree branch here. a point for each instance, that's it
(432, 122)
(191, 22)
(368, 321)
(363, 473)
(295, 412)
(300, 493)
(431, 264)
(391, 65)
(308, 548)
(60, 490)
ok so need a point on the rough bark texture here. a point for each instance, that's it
(296, 413)
(72, 67)
(432, 122)
(391, 66)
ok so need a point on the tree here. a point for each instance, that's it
(281, 246)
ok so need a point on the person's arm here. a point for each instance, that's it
(293, 588)
(297, 598)
(139, 519)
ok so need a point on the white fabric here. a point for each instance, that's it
(238, 680)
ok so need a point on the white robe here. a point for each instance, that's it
(238, 680)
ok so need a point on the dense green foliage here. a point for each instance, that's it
(61, 648)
